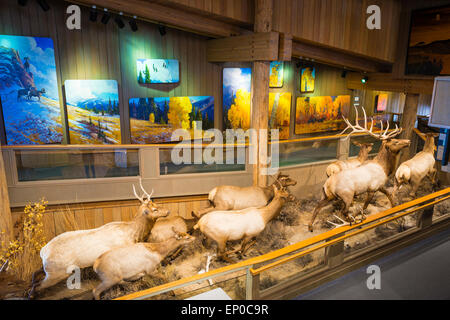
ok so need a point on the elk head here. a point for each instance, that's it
(284, 181)
(183, 237)
(364, 146)
(281, 193)
(148, 208)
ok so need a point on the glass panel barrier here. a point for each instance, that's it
(40, 165)
(354, 150)
(236, 161)
(292, 153)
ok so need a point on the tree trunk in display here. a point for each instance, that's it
(5, 210)
(260, 96)
(408, 121)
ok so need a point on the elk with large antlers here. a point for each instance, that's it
(80, 248)
(418, 167)
(237, 198)
(340, 165)
(370, 177)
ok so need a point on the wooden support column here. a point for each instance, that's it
(260, 97)
(408, 121)
(5, 210)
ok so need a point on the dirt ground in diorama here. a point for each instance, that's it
(288, 228)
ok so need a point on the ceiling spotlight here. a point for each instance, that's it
(162, 30)
(364, 79)
(22, 3)
(119, 21)
(44, 5)
(93, 14)
(106, 16)
(133, 24)
(344, 73)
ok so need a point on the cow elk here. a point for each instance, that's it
(82, 247)
(418, 167)
(222, 226)
(167, 227)
(133, 261)
(237, 198)
(340, 165)
(368, 178)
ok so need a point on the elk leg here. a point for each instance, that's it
(415, 185)
(106, 284)
(432, 175)
(51, 279)
(368, 199)
(246, 244)
(221, 253)
(388, 195)
(320, 205)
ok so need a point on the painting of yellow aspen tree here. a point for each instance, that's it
(153, 120)
(276, 74)
(308, 77)
(320, 114)
(280, 113)
(236, 97)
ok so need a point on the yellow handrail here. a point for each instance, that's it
(445, 193)
(162, 145)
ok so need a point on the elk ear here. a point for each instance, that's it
(435, 135)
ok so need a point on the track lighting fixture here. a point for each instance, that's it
(364, 79)
(119, 21)
(93, 13)
(133, 24)
(44, 5)
(162, 30)
(106, 16)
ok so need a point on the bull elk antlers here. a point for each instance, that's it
(141, 198)
(382, 135)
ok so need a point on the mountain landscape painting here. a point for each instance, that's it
(157, 71)
(93, 111)
(320, 114)
(429, 42)
(280, 113)
(237, 97)
(29, 95)
(153, 120)
(276, 74)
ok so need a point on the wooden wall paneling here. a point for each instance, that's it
(48, 220)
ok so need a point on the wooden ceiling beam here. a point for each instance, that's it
(172, 17)
(385, 82)
(337, 58)
(260, 46)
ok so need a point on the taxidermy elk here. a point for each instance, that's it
(236, 198)
(415, 169)
(80, 248)
(222, 226)
(133, 261)
(370, 177)
(167, 227)
(340, 165)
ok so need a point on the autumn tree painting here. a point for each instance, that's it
(319, 114)
(236, 98)
(276, 74)
(280, 113)
(153, 120)
(307, 79)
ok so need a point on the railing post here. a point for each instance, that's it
(251, 286)
(425, 219)
(343, 149)
(334, 254)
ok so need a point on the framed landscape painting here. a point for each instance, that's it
(321, 114)
(153, 120)
(237, 97)
(157, 71)
(280, 113)
(307, 79)
(276, 74)
(29, 95)
(93, 111)
(381, 102)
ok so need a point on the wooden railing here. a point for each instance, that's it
(325, 240)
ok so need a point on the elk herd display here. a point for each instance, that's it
(120, 251)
